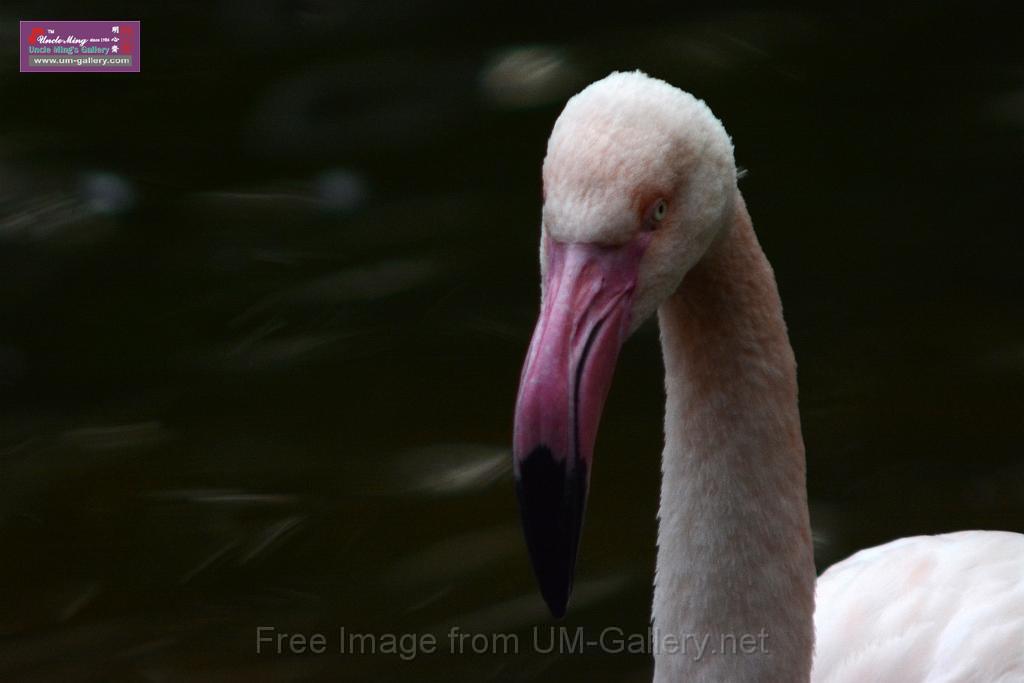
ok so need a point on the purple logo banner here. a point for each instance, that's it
(80, 46)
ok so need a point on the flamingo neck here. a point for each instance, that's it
(735, 570)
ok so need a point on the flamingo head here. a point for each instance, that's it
(639, 180)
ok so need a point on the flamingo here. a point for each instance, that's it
(642, 214)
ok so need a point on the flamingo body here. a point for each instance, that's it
(947, 608)
(642, 213)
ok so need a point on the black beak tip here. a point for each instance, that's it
(556, 595)
(552, 496)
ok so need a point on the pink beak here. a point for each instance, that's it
(584, 319)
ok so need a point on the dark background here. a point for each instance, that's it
(263, 306)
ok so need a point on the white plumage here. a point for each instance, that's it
(946, 609)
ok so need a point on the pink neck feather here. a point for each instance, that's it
(735, 560)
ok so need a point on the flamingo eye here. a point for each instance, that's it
(660, 209)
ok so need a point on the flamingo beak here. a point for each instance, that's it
(584, 319)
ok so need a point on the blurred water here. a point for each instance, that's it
(262, 321)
